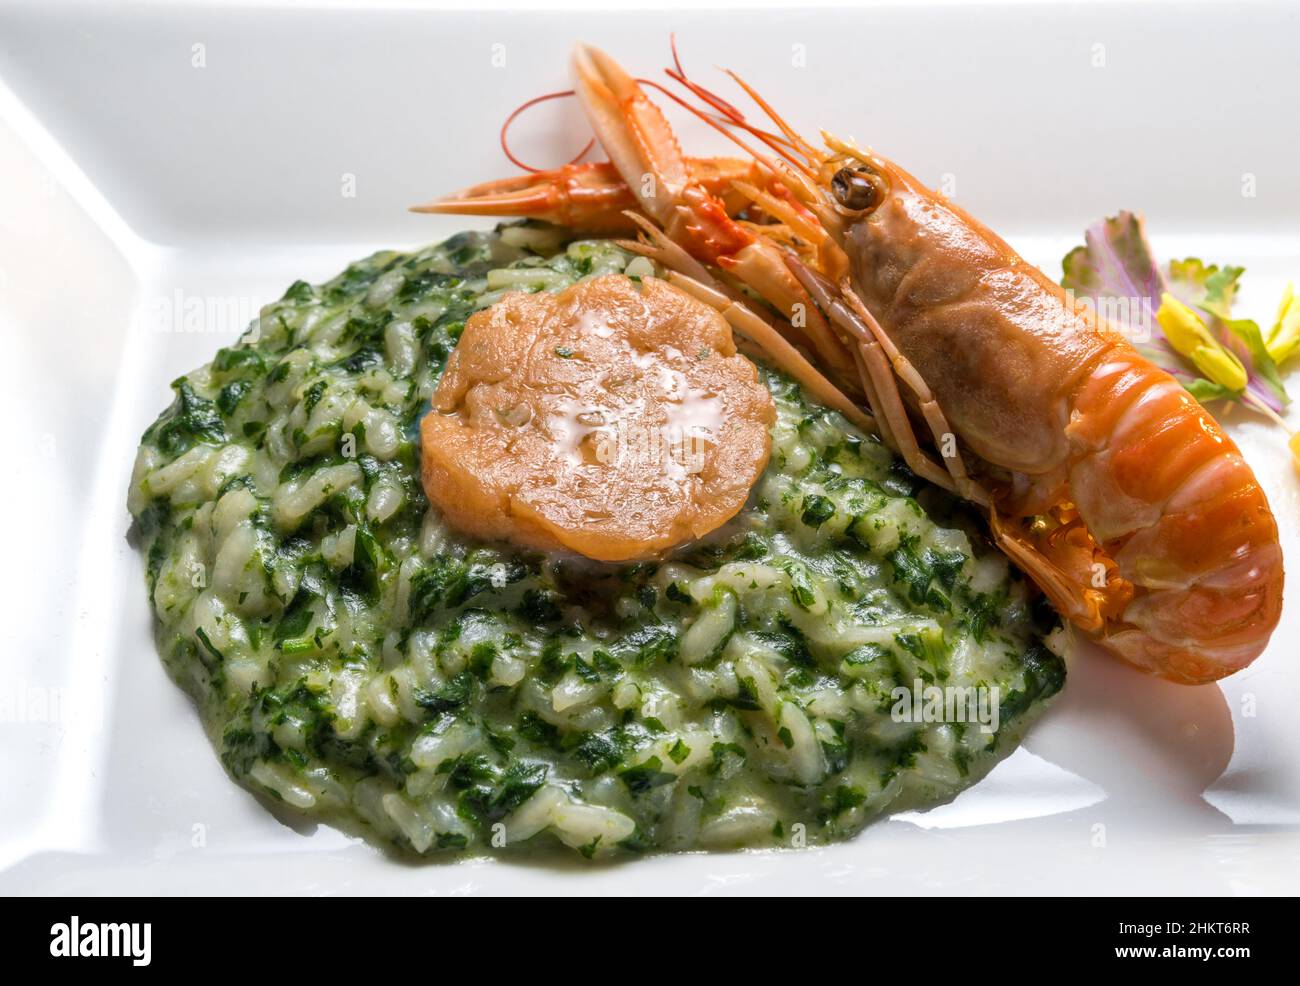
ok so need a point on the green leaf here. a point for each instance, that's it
(645, 776)
(1250, 336)
(454, 694)
(520, 781)
(817, 510)
(206, 641)
(1207, 390)
(1207, 286)
(846, 798)
(190, 419)
(369, 562)
(296, 618)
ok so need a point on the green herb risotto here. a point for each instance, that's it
(832, 653)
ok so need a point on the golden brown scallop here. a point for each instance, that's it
(614, 419)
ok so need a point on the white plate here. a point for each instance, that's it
(162, 160)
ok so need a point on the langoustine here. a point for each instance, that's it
(1104, 480)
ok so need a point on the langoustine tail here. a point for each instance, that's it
(1169, 497)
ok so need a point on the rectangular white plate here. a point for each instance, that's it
(174, 166)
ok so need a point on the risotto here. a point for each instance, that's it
(845, 646)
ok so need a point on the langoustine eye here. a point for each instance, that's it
(853, 189)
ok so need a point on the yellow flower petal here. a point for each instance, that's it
(1220, 366)
(1284, 337)
(1294, 445)
(1181, 326)
(1190, 337)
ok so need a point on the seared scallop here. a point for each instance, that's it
(614, 419)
